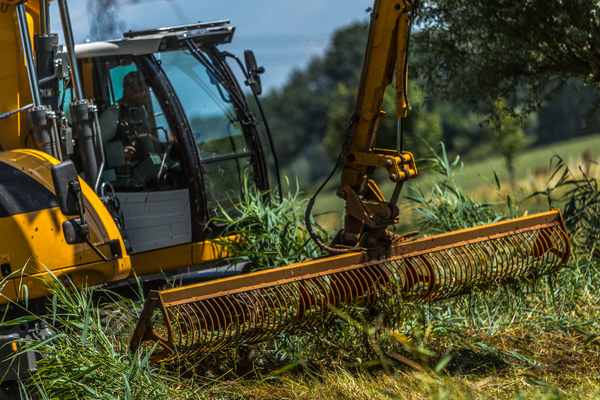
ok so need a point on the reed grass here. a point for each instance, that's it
(268, 231)
(535, 340)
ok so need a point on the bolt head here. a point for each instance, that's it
(388, 163)
(372, 241)
(342, 194)
(394, 178)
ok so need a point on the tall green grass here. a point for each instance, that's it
(268, 231)
(582, 204)
(538, 340)
(88, 355)
(447, 207)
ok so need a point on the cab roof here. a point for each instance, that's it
(159, 40)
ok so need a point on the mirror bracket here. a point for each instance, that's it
(70, 198)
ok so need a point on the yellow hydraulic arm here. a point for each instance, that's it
(386, 53)
(368, 214)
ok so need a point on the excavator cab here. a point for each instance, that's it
(177, 135)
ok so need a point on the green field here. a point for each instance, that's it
(477, 177)
(531, 160)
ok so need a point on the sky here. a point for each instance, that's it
(283, 34)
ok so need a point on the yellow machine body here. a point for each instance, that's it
(33, 243)
(14, 81)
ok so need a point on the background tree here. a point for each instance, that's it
(298, 112)
(522, 51)
(509, 140)
(421, 127)
(311, 113)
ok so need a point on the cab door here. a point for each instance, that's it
(143, 163)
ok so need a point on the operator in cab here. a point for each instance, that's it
(133, 153)
(126, 121)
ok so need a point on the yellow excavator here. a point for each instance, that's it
(116, 155)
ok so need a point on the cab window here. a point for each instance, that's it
(224, 151)
(138, 144)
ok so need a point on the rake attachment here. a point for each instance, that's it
(259, 306)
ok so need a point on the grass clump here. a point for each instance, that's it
(448, 207)
(581, 197)
(268, 232)
(88, 355)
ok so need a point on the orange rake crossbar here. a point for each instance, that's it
(255, 307)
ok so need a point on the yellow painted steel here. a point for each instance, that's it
(35, 241)
(209, 251)
(88, 78)
(386, 48)
(14, 82)
(187, 255)
(79, 276)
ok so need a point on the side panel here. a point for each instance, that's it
(172, 258)
(33, 241)
(155, 220)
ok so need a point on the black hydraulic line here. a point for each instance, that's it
(249, 119)
(232, 87)
(308, 214)
(201, 57)
(412, 19)
(262, 115)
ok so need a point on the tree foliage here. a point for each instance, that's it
(524, 52)
(421, 127)
(311, 113)
(470, 52)
(298, 112)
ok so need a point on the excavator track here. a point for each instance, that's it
(256, 307)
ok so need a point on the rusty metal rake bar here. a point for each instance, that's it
(259, 306)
